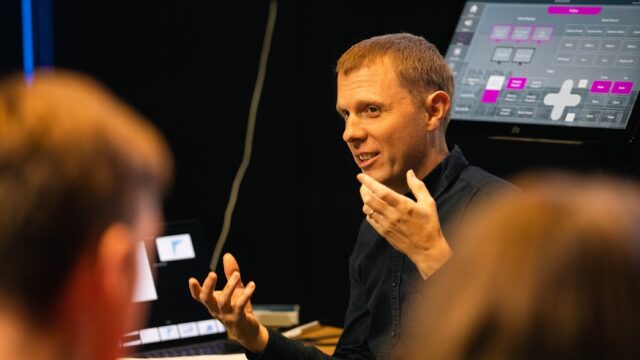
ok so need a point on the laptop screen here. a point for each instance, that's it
(175, 319)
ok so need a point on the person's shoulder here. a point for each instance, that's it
(484, 182)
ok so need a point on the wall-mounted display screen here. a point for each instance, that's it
(539, 66)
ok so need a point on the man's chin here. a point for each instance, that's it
(376, 176)
(370, 173)
(399, 185)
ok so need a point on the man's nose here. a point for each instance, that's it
(353, 131)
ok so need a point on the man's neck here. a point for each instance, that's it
(435, 155)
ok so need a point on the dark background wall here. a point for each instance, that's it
(190, 67)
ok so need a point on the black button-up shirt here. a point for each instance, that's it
(382, 278)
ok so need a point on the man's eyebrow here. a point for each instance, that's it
(366, 102)
(362, 103)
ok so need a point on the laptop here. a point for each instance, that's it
(177, 325)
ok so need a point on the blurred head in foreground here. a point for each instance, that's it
(82, 178)
(552, 272)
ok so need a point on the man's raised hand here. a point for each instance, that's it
(411, 227)
(232, 305)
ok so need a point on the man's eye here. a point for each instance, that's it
(372, 110)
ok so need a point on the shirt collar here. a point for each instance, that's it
(446, 172)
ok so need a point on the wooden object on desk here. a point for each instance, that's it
(324, 338)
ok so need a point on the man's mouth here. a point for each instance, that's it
(365, 160)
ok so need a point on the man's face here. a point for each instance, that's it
(384, 129)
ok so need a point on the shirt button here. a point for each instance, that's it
(394, 332)
(394, 283)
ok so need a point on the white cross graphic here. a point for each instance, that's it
(561, 99)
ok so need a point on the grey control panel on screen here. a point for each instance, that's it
(546, 63)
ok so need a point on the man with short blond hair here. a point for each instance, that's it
(82, 178)
(394, 94)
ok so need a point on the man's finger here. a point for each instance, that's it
(224, 300)
(230, 265)
(367, 210)
(243, 300)
(368, 198)
(195, 288)
(208, 286)
(377, 205)
(379, 190)
(206, 293)
(373, 223)
(418, 188)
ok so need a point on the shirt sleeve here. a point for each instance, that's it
(280, 347)
(352, 344)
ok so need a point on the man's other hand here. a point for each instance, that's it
(411, 227)
(232, 305)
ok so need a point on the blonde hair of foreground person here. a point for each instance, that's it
(552, 272)
(82, 177)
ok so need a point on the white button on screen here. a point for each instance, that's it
(148, 336)
(207, 327)
(175, 247)
(188, 330)
(169, 332)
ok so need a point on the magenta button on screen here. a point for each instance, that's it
(601, 86)
(490, 96)
(622, 87)
(516, 83)
(574, 10)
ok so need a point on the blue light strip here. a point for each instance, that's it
(27, 40)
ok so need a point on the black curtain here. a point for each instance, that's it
(191, 67)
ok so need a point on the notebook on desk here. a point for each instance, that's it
(177, 325)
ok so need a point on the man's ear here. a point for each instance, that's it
(437, 105)
(115, 259)
(95, 308)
